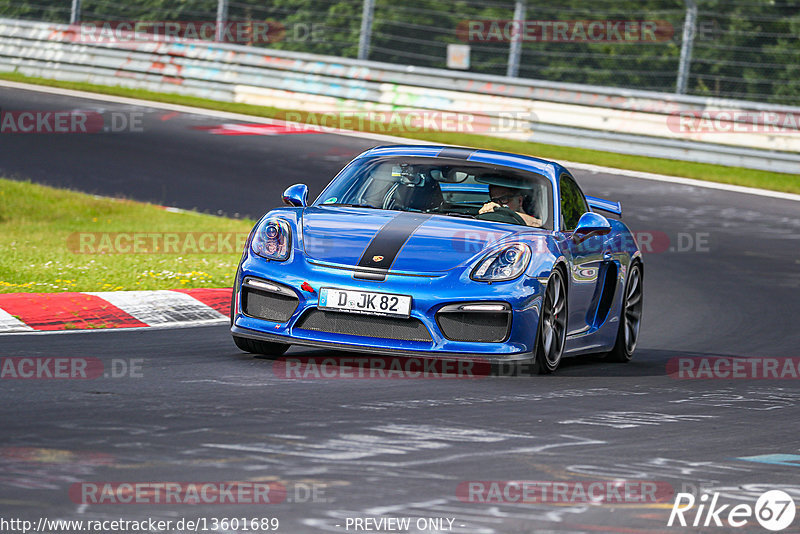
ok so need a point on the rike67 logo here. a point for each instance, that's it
(774, 510)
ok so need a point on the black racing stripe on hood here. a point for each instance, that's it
(386, 244)
(456, 152)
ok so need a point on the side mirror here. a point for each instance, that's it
(592, 223)
(296, 195)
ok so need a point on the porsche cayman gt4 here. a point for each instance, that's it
(436, 251)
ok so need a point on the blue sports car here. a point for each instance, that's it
(438, 251)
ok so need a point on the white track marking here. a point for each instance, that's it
(388, 138)
(167, 326)
(160, 307)
(9, 323)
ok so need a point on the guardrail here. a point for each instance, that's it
(625, 121)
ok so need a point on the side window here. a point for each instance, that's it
(573, 204)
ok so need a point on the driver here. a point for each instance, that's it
(511, 198)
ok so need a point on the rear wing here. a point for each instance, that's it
(604, 205)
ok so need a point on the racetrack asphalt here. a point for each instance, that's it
(197, 409)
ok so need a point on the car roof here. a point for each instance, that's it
(546, 168)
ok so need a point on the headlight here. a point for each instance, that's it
(505, 264)
(273, 240)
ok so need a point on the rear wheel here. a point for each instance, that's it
(552, 325)
(630, 318)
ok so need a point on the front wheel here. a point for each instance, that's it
(552, 325)
(630, 318)
(260, 348)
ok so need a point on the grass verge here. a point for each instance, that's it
(53, 241)
(702, 171)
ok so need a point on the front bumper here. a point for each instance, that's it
(263, 336)
(430, 293)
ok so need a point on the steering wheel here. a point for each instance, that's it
(502, 214)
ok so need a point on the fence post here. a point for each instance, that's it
(222, 19)
(75, 12)
(689, 31)
(366, 29)
(515, 47)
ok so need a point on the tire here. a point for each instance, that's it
(552, 332)
(630, 317)
(260, 348)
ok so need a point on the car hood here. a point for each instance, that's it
(400, 241)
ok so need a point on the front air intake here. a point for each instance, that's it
(268, 300)
(479, 322)
(364, 325)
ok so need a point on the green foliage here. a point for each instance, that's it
(39, 229)
(747, 49)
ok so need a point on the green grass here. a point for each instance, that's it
(41, 228)
(701, 171)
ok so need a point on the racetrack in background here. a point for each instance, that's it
(730, 286)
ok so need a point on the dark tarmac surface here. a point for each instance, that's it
(723, 280)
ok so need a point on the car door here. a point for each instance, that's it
(585, 255)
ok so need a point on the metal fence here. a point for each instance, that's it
(745, 49)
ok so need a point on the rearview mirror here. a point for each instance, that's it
(296, 195)
(592, 223)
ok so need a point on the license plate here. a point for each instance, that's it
(364, 302)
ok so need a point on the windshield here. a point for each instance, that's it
(452, 187)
